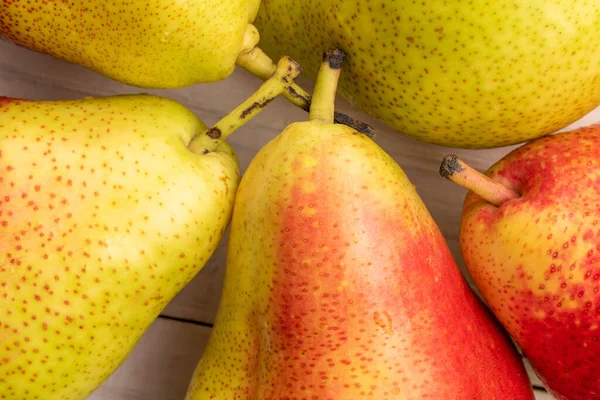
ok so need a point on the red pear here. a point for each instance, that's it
(530, 236)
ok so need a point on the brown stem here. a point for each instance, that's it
(457, 171)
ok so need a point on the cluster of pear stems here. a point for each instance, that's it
(321, 109)
(287, 70)
(457, 171)
(260, 64)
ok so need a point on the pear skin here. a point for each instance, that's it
(108, 208)
(339, 285)
(160, 44)
(100, 226)
(535, 257)
(470, 74)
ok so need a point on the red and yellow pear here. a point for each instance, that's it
(340, 286)
(530, 237)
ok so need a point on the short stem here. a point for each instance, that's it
(287, 70)
(457, 171)
(260, 65)
(323, 103)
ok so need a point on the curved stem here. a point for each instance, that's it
(287, 70)
(260, 64)
(457, 171)
(323, 104)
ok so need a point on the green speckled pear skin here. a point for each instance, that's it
(105, 215)
(470, 74)
(151, 44)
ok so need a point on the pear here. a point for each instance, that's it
(159, 44)
(108, 207)
(339, 284)
(471, 74)
(530, 240)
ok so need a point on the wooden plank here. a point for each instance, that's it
(541, 395)
(160, 366)
(535, 380)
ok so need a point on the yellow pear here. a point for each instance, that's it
(470, 74)
(108, 207)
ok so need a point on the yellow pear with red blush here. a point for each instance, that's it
(530, 237)
(340, 286)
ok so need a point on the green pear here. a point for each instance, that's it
(530, 240)
(339, 285)
(158, 44)
(108, 207)
(470, 74)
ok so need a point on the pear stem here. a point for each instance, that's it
(323, 104)
(455, 170)
(260, 65)
(287, 70)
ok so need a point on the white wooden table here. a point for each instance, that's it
(163, 361)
